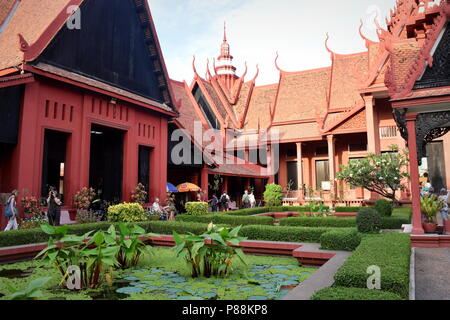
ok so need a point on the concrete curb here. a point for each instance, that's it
(412, 275)
(320, 279)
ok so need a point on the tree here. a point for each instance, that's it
(273, 196)
(383, 174)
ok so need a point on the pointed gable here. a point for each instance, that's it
(115, 45)
(438, 75)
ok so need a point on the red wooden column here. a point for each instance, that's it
(414, 170)
(299, 169)
(225, 184)
(270, 165)
(331, 158)
(204, 181)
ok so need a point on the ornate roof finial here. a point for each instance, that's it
(363, 36)
(194, 68)
(328, 48)
(276, 63)
(257, 73)
(224, 31)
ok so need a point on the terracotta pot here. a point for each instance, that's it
(429, 227)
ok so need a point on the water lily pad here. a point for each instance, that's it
(152, 288)
(189, 298)
(288, 283)
(131, 278)
(174, 290)
(130, 290)
(257, 298)
(209, 295)
(151, 276)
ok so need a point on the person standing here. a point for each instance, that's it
(252, 200)
(444, 210)
(246, 200)
(170, 207)
(54, 208)
(11, 211)
(214, 203)
(224, 199)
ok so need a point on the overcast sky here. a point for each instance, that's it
(257, 29)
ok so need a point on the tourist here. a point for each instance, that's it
(11, 211)
(54, 207)
(224, 200)
(252, 200)
(156, 207)
(214, 203)
(170, 208)
(246, 200)
(444, 211)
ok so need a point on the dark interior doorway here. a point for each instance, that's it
(436, 165)
(54, 160)
(106, 162)
(144, 168)
(322, 172)
(292, 175)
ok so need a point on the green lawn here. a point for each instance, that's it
(403, 212)
(163, 277)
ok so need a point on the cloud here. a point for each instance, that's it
(257, 29)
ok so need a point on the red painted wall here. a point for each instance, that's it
(53, 105)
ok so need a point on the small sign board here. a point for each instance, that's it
(326, 185)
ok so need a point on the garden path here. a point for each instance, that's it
(432, 276)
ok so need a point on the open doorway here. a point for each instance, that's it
(54, 161)
(106, 162)
(144, 168)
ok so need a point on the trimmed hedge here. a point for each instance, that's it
(333, 222)
(254, 211)
(348, 209)
(389, 251)
(226, 219)
(343, 293)
(393, 222)
(21, 237)
(196, 208)
(286, 234)
(384, 207)
(342, 239)
(368, 220)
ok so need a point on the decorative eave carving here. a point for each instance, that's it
(422, 60)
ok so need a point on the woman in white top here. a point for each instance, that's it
(252, 200)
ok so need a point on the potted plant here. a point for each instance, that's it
(430, 206)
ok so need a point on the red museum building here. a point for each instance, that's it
(85, 105)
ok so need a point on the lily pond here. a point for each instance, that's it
(161, 276)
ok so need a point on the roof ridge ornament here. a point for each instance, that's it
(194, 68)
(361, 34)
(276, 63)
(23, 44)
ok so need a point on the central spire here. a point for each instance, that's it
(225, 66)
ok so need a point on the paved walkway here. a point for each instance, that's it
(432, 273)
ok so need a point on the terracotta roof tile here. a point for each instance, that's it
(345, 83)
(215, 98)
(184, 106)
(302, 95)
(30, 19)
(5, 9)
(259, 108)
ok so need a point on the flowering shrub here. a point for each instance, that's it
(86, 216)
(83, 198)
(383, 174)
(126, 212)
(31, 206)
(139, 195)
(196, 208)
(34, 222)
